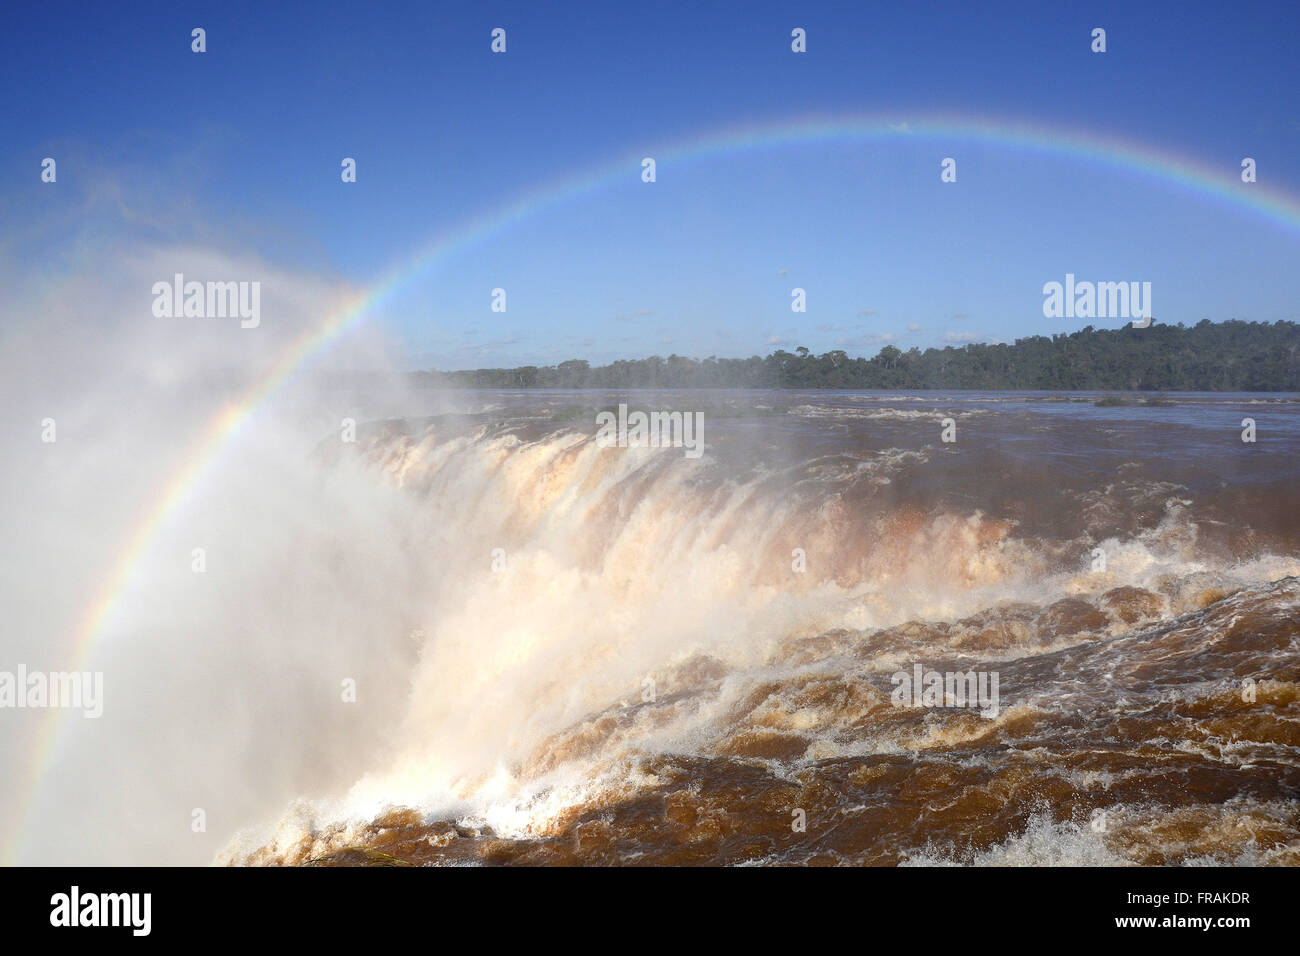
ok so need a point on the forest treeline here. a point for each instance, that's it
(1233, 356)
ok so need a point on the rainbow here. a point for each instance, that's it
(207, 449)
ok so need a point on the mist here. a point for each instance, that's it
(222, 666)
(324, 603)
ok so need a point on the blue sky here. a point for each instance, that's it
(240, 147)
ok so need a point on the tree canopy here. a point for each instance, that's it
(1233, 356)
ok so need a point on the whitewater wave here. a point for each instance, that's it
(623, 634)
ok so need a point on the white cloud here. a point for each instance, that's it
(862, 341)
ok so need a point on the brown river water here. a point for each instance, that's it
(1069, 635)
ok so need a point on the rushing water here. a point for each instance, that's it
(631, 656)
